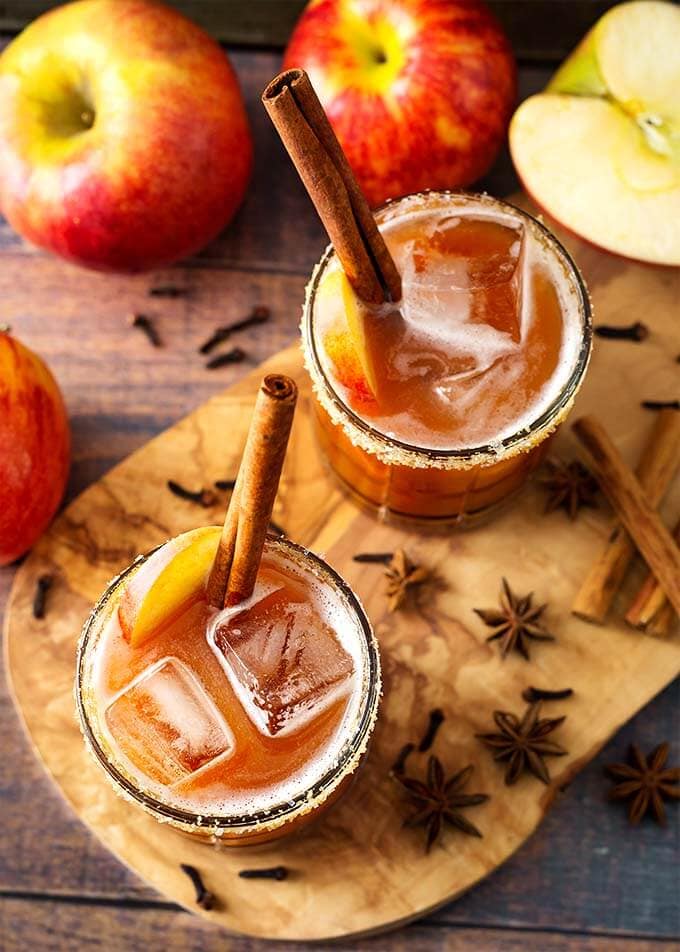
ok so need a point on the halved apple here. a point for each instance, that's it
(167, 582)
(599, 150)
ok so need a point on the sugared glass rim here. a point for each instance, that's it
(394, 451)
(257, 821)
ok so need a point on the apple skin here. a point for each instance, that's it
(419, 92)
(35, 448)
(167, 160)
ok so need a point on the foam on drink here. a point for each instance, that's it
(488, 330)
(198, 733)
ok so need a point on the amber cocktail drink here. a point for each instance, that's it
(237, 724)
(444, 402)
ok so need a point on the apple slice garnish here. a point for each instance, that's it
(352, 352)
(169, 580)
(599, 150)
(347, 368)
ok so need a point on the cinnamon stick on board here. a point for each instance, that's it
(234, 571)
(306, 133)
(658, 464)
(648, 608)
(648, 532)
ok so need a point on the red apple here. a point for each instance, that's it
(35, 447)
(419, 92)
(124, 142)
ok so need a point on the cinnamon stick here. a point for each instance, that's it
(306, 133)
(662, 623)
(647, 608)
(658, 464)
(234, 571)
(650, 535)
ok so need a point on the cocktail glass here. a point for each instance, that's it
(460, 484)
(168, 799)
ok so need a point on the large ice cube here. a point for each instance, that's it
(468, 270)
(283, 660)
(462, 298)
(166, 724)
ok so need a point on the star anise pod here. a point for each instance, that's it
(403, 576)
(523, 743)
(570, 486)
(438, 800)
(515, 622)
(646, 781)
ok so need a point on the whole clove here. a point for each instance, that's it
(225, 485)
(660, 404)
(636, 332)
(541, 694)
(381, 558)
(42, 587)
(233, 356)
(436, 720)
(204, 898)
(272, 872)
(204, 497)
(147, 326)
(257, 316)
(168, 291)
(399, 764)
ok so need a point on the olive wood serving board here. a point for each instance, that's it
(357, 870)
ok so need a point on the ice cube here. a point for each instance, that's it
(283, 660)
(166, 725)
(468, 270)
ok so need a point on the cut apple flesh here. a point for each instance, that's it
(169, 580)
(600, 149)
(638, 53)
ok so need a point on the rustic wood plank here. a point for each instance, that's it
(119, 389)
(277, 228)
(51, 928)
(538, 29)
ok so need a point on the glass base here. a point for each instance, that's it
(428, 524)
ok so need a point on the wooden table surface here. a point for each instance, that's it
(585, 881)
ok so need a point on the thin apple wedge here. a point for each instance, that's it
(599, 150)
(167, 582)
(359, 339)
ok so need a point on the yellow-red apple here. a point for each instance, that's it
(35, 448)
(124, 142)
(166, 583)
(599, 150)
(419, 92)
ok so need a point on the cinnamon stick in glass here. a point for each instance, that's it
(649, 608)
(650, 535)
(658, 464)
(234, 571)
(300, 120)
